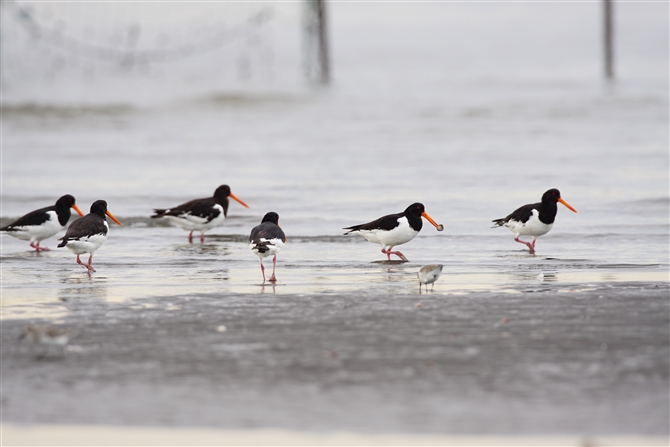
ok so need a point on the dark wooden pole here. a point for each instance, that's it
(608, 39)
(324, 60)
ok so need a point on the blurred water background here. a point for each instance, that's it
(470, 108)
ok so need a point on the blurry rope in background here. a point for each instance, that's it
(131, 55)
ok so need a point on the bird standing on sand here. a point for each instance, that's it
(428, 274)
(395, 229)
(200, 214)
(266, 240)
(87, 234)
(535, 219)
(45, 337)
(43, 223)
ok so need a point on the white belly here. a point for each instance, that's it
(87, 245)
(534, 227)
(273, 247)
(37, 233)
(189, 222)
(397, 236)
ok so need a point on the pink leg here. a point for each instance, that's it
(88, 266)
(263, 271)
(530, 246)
(388, 253)
(190, 237)
(202, 237)
(36, 246)
(400, 255)
(273, 278)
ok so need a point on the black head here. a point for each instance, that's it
(416, 209)
(551, 196)
(222, 192)
(65, 202)
(271, 217)
(99, 207)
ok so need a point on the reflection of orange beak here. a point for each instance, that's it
(113, 218)
(76, 208)
(430, 219)
(567, 205)
(232, 196)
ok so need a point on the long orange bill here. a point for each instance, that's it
(232, 196)
(113, 218)
(430, 219)
(76, 208)
(567, 205)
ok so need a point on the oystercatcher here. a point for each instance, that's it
(535, 219)
(200, 214)
(87, 234)
(43, 223)
(395, 229)
(428, 274)
(266, 240)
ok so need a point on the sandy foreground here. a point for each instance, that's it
(75, 435)
(582, 369)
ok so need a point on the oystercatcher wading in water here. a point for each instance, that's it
(200, 214)
(395, 229)
(535, 219)
(43, 223)
(87, 234)
(266, 240)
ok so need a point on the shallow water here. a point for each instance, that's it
(321, 181)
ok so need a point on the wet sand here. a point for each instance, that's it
(566, 364)
(72, 435)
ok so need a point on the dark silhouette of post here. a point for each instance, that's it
(323, 42)
(317, 60)
(608, 38)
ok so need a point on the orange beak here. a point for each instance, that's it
(430, 219)
(76, 208)
(111, 216)
(232, 196)
(567, 205)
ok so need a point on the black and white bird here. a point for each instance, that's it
(266, 240)
(535, 219)
(395, 229)
(428, 274)
(87, 234)
(43, 223)
(200, 214)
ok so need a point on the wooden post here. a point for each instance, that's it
(317, 61)
(608, 39)
(324, 60)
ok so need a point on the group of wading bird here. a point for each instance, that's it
(87, 234)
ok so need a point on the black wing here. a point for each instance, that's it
(383, 223)
(198, 207)
(521, 214)
(36, 217)
(266, 230)
(87, 226)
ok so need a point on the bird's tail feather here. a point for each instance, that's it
(261, 246)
